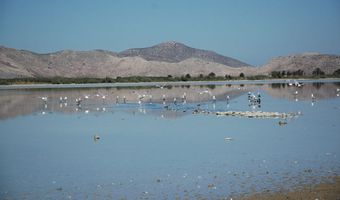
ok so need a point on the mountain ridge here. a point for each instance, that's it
(164, 59)
(173, 51)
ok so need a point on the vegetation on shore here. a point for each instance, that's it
(317, 73)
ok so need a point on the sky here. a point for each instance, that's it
(253, 31)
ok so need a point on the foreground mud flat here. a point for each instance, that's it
(320, 191)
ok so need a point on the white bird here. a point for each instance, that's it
(44, 99)
(205, 92)
(78, 101)
(297, 84)
(228, 138)
(184, 97)
(103, 97)
(86, 97)
(296, 92)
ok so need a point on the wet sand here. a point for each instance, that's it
(323, 191)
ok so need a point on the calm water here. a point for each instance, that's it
(155, 149)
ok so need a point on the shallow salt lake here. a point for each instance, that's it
(151, 146)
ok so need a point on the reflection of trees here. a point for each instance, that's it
(318, 89)
(318, 85)
(24, 102)
(211, 86)
(278, 85)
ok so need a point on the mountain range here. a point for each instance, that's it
(168, 58)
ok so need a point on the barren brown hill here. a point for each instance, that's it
(165, 59)
(307, 62)
(170, 58)
(175, 52)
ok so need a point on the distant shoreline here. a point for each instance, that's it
(155, 84)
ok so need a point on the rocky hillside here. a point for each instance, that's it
(170, 58)
(174, 52)
(165, 59)
(307, 62)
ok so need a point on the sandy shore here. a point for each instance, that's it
(323, 191)
(152, 84)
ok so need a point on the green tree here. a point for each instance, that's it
(227, 76)
(318, 72)
(276, 74)
(337, 73)
(211, 75)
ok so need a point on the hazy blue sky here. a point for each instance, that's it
(249, 30)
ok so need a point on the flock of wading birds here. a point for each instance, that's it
(254, 100)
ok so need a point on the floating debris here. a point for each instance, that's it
(228, 138)
(212, 186)
(257, 114)
(197, 111)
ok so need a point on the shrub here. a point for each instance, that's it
(337, 73)
(318, 72)
(211, 75)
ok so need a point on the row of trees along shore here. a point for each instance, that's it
(317, 73)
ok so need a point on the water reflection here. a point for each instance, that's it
(148, 100)
(24, 102)
(120, 143)
(306, 92)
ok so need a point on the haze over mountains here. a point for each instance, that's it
(169, 58)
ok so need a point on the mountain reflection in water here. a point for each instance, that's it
(147, 100)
